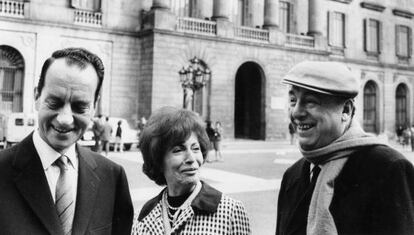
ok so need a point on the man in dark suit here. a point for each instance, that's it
(51, 185)
(348, 181)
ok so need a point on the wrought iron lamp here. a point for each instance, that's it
(193, 78)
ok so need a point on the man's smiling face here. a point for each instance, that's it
(317, 117)
(66, 103)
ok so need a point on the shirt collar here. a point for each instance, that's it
(48, 155)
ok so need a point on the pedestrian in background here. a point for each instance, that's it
(97, 129)
(399, 133)
(218, 133)
(412, 138)
(406, 137)
(174, 145)
(106, 136)
(210, 133)
(118, 138)
(348, 181)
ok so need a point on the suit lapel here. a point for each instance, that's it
(32, 184)
(88, 185)
(297, 190)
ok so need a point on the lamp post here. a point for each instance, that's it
(193, 78)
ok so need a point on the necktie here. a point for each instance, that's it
(315, 173)
(64, 196)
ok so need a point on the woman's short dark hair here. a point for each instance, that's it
(167, 127)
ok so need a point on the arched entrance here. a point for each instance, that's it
(11, 80)
(401, 106)
(249, 110)
(370, 107)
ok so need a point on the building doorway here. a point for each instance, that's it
(370, 107)
(249, 110)
(11, 80)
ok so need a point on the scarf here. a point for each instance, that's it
(331, 160)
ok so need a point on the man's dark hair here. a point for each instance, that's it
(74, 56)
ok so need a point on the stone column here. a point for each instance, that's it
(163, 4)
(271, 14)
(221, 9)
(315, 18)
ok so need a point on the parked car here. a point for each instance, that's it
(129, 135)
(16, 126)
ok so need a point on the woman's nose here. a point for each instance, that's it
(190, 156)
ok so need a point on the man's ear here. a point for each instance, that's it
(347, 110)
(37, 98)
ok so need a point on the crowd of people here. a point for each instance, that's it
(347, 181)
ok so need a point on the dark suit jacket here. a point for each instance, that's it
(373, 194)
(103, 204)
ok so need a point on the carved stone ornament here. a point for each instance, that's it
(27, 41)
(372, 6)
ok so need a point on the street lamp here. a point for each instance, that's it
(193, 78)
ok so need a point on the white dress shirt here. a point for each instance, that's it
(48, 156)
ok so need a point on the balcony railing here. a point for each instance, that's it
(294, 40)
(12, 9)
(88, 18)
(251, 34)
(196, 26)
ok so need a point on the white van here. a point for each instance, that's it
(16, 126)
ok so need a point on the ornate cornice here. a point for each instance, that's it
(372, 6)
(402, 13)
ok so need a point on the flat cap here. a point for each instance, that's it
(332, 78)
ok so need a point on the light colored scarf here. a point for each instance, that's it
(332, 159)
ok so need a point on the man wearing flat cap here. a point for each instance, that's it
(348, 181)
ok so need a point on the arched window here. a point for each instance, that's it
(401, 105)
(370, 107)
(11, 80)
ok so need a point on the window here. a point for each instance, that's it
(284, 16)
(370, 107)
(372, 36)
(91, 5)
(403, 41)
(336, 30)
(401, 99)
(11, 80)
(240, 16)
(182, 8)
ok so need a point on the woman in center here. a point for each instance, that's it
(174, 146)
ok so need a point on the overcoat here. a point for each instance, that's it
(103, 203)
(210, 213)
(373, 194)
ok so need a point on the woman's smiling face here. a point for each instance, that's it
(181, 166)
(317, 117)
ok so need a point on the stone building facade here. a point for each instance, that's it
(248, 45)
